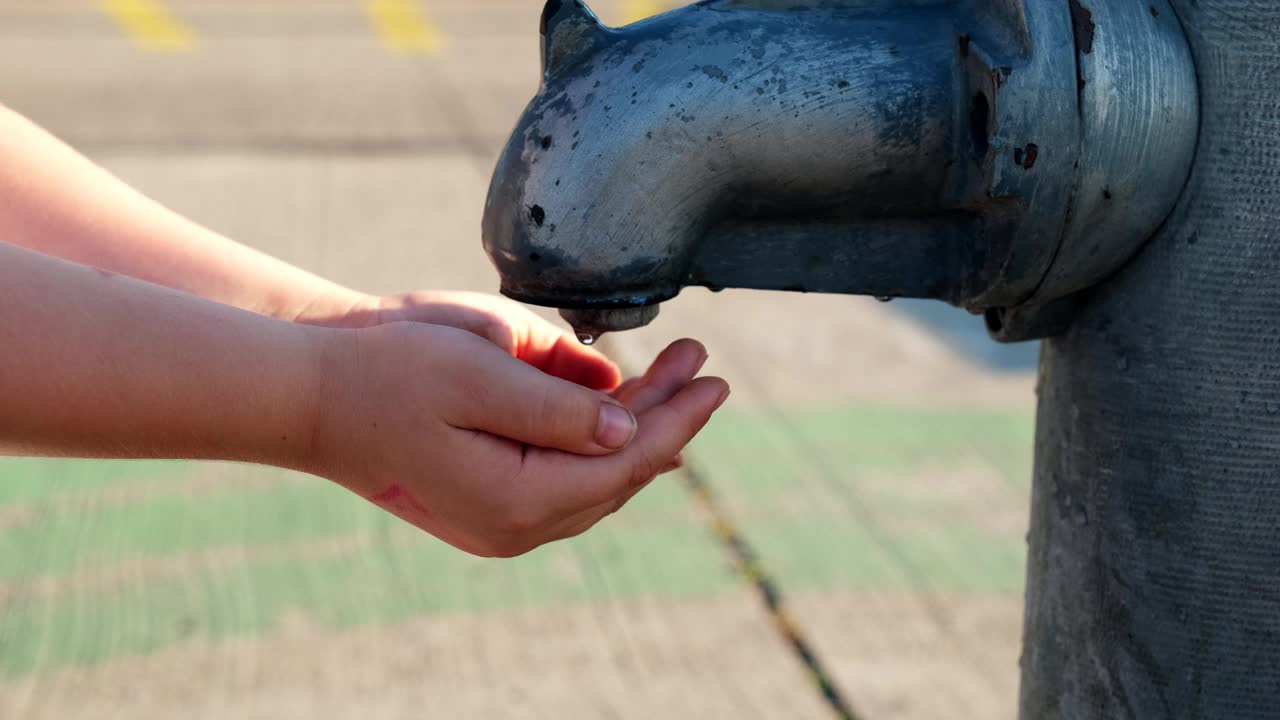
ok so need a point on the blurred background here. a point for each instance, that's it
(876, 457)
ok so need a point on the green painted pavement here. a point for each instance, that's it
(382, 572)
(879, 498)
(30, 481)
(382, 583)
(835, 499)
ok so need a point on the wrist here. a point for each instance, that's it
(335, 361)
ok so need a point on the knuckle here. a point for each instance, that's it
(544, 410)
(497, 331)
(671, 417)
(644, 470)
(566, 414)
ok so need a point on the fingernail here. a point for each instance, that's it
(701, 364)
(723, 398)
(616, 426)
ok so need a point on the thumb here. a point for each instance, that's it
(514, 400)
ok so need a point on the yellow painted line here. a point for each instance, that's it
(149, 24)
(637, 10)
(404, 27)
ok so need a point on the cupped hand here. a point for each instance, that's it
(490, 454)
(508, 325)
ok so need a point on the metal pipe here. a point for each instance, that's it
(1154, 574)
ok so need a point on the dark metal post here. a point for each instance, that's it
(1154, 572)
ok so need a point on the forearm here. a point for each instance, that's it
(94, 364)
(55, 201)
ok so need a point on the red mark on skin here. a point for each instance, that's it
(397, 501)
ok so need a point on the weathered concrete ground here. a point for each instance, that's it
(882, 477)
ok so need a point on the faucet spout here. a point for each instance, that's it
(926, 149)
(637, 152)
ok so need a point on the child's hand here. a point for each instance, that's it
(513, 328)
(487, 453)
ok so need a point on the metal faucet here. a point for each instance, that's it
(993, 155)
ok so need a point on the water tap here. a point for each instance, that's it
(997, 155)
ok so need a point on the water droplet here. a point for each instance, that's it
(586, 338)
(885, 298)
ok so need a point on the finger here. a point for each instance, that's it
(584, 521)
(559, 354)
(510, 399)
(592, 516)
(577, 484)
(624, 390)
(453, 310)
(674, 368)
(519, 332)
